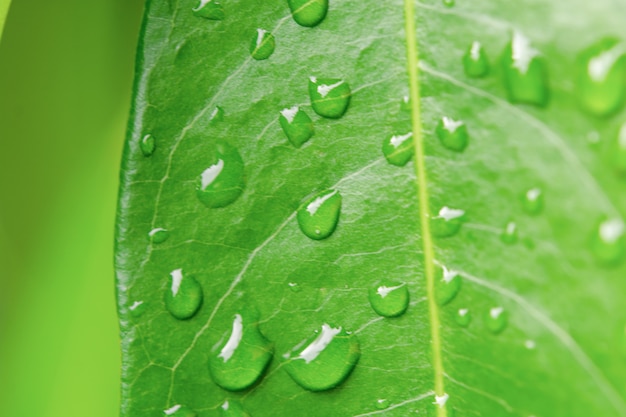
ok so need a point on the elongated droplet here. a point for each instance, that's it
(242, 359)
(618, 154)
(326, 359)
(497, 320)
(158, 235)
(452, 134)
(263, 45)
(398, 149)
(601, 77)
(233, 409)
(183, 297)
(217, 115)
(390, 299)
(210, 9)
(509, 233)
(223, 181)
(137, 308)
(608, 243)
(297, 125)
(382, 404)
(179, 411)
(147, 145)
(448, 222)
(308, 13)
(447, 285)
(319, 215)
(463, 317)
(532, 201)
(525, 72)
(329, 96)
(475, 61)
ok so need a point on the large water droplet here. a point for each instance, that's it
(184, 296)
(137, 309)
(297, 125)
(308, 13)
(608, 243)
(532, 201)
(210, 9)
(318, 216)
(147, 145)
(223, 181)
(448, 222)
(389, 299)
(179, 411)
(329, 96)
(463, 317)
(509, 233)
(326, 360)
(618, 152)
(475, 61)
(601, 77)
(525, 72)
(158, 235)
(398, 149)
(497, 320)
(241, 360)
(447, 285)
(263, 45)
(452, 134)
(233, 409)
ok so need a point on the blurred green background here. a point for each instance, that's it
(65, 81)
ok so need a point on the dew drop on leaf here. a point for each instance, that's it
(525, 73)
(398, 149)
(294, 286)
(319, 215)
(223, 181)
(183, 297)
(509, 233)
(210, 9)
(447, 285)
(463, 317)
(496, 320)
(389, 299)
(263, 45)
(601, 77)
(147, 145)
(448, 3)
(233, 409)
(608, 243)
(329, 96)
(297, 125)
(382, 404)
(217, 115)
(326, 359)
(240, 359)
(447, 222)
(532, 201)
(405, 103)
(179, 411)
(308, 13)
(452, 134)
(475, 61)
(158, 235)
(137, 308)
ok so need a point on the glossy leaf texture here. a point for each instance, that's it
(440, 235)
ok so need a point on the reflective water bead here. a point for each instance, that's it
(179, 411)
(532, 201)
(452, 134)
(608, 243)
(147, 145)
(389, 299)
(158, 235)
(319, 215)
(263, 45)
(210, 9)
(447, 285)
(223, 181)
(137, 309)
(297, 125)
(509, 233)
(330, 97)
(398, 149)
(463, 317)
(448, 222)
(525, 72)
(382, 404)
(497, 320)
(308, 13)
(475, 61)
(217, 115)
(184, 296)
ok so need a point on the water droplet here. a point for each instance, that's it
(497, 320)
(137, 308)
(179, 411)
(452, 134)
(263, 45)
(608, 243)
(448, 222)
(525, 72)
(398, 149)
(308, 13)
(325, 361)
(297, 125)
(217, 115)
(447, 284)
(223, 181)
(448, 3)
(405, 104)
(389, 299)
(475, 61)
(242, 359)
(184, 296)
(532, 201)
(382, 403)
(463, 317)
(210, 9)
(318, 216)
(329, 96)
(233, 409)
(158, 235)
(295, 287)
(600, 81)
(147, 145)
(509, 233)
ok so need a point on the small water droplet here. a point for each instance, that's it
(509, 233)
(608, 243)
(525, 72)
(308, 13)
(179, 411)
(390, 299)
(463, 317)
(217, 115)
(137, 308)
(233, 409)
(325, 361)
(532, 201)
(405, 103)
(497, 320)
(475, 61)
(319, 215)
(448, 222)
(297, 125)
(448, 3)
(398, 149)
(452, 134)
(183, 297)
(158, 235)
(600, 81)
(242, 359)
(223, 181)
(330, 97)
(295, 287)
(210, 9)
(147, 145)
(382, 403)
(530, 344)
(447, 285)
(263, 45)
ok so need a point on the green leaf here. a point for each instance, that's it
(502, 223)
(4, 10)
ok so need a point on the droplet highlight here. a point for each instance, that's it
(497, 319)
(318, 216)
(233, 409)
(475, 61)
(463, 317)
(330, 97)
(509, 233)
(389, 299)
(263, 45)
(137, 308)
(183, 297)
(448, 222)
(608, 244)
(525, 72)
(210, 9)
(297, 125)
(382, 404)
(308, 13)
(223, 181)
(398, 149)
(452, 134)
(217, 115)
(447, 285)
(147, 145)
(532, 201)
(158, 235)
(179, 411)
